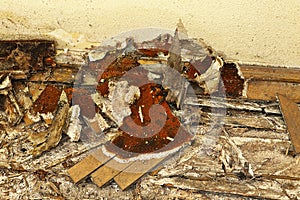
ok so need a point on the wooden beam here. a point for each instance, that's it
(291, 115)
(27, 55)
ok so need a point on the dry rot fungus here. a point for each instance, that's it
(149, 131)
(137, 90)
(127, 108)
(27, 55)
(135, 87)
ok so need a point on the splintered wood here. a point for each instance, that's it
(115, 113)
(291, 115)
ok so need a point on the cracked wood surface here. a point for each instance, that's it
(255, 127)
(195, 172)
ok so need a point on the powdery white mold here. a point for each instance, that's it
(75, 127)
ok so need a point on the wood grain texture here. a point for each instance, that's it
(267, 90)
(88, 165)
(270, 73)
(107, 172)
(291, 115)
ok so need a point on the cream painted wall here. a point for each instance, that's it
(253, 30)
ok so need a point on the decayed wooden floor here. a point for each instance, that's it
(254, 129)
(245, 156)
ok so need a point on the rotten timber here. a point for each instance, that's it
(26, 55)
(255, 126)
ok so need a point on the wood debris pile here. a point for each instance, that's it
(119, 112)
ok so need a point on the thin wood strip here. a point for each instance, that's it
(291, 115)
(267, 90)
(270, 73)
(107, 172)
(135, 171)
(88, 165)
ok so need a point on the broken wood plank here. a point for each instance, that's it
(270, 73)
(267, 90)
(253, 120)
(291, 115)
(135, 171)
(88, 165)
(107, 172)
(240, 104)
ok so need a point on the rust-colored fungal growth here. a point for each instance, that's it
(102, 88)
(111, 66)
(47, 101)
(163, 128)
(233, 82)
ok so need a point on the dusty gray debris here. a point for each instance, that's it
(232, 158)
(74, 128)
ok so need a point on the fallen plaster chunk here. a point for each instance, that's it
(117, 106)
(75, 127)
(122, 96)
(95, 55)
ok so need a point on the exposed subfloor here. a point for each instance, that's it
(253, 130)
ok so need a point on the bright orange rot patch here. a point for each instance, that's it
(157, 131)
(47, 101)
(152, 127)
